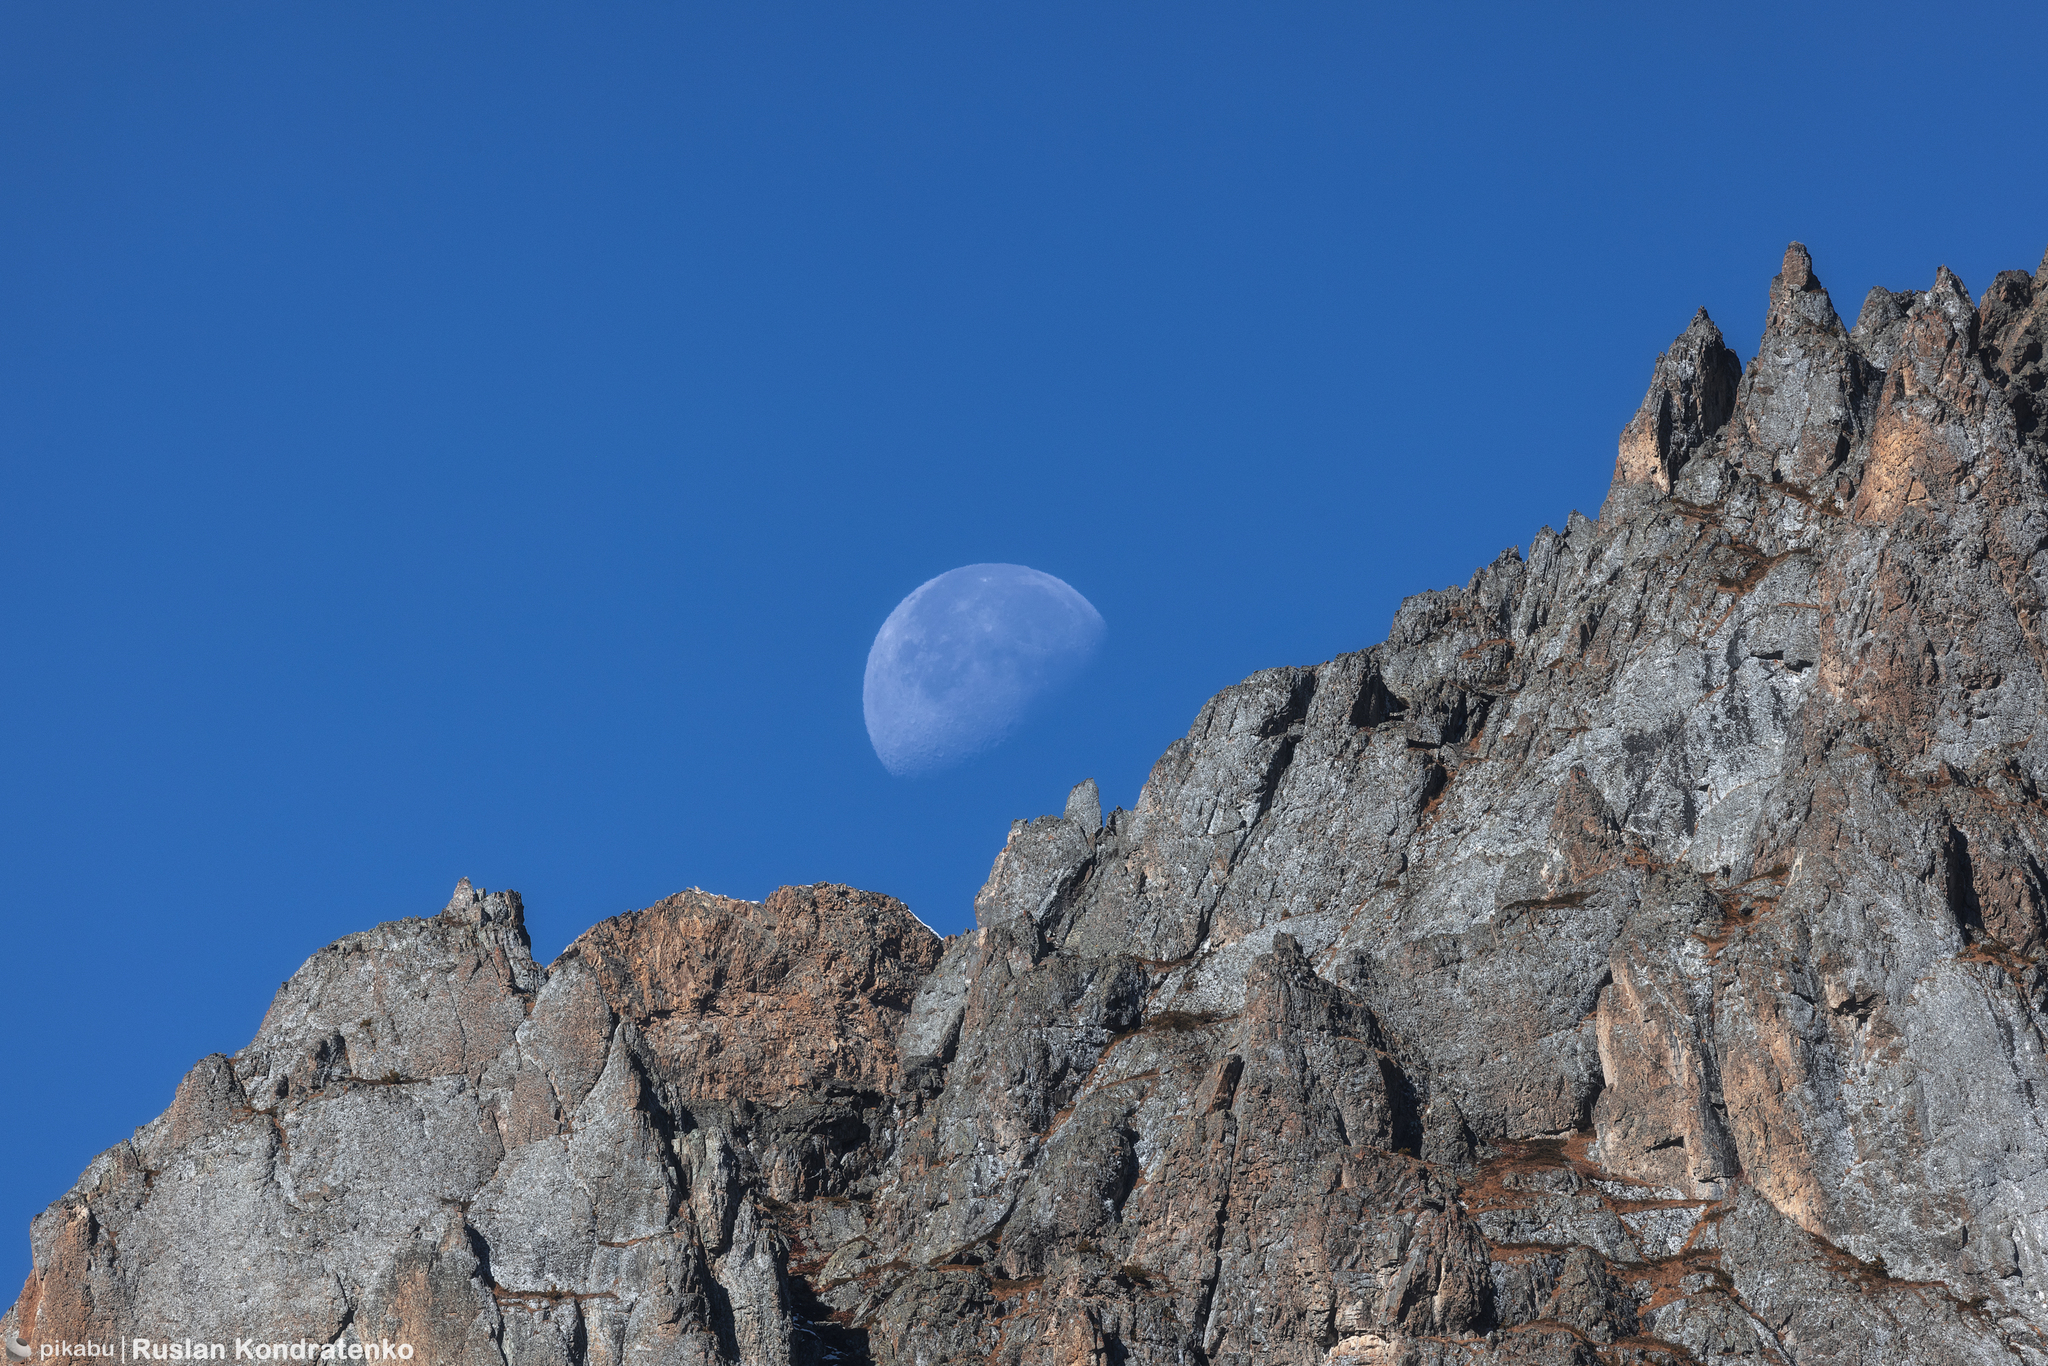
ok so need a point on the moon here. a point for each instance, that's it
(960, 661)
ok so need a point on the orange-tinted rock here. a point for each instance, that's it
(1692, 393)
(800, 994)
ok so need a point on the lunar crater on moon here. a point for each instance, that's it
(962, 659)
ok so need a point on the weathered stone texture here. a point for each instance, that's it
(1634, 959)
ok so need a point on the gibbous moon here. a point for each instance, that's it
(960, 661)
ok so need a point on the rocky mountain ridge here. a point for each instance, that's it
(1634, 959)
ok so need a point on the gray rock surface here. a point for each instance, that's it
(1634, 959)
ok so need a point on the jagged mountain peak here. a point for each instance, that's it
(1634, 958)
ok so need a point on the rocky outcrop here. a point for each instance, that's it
(1634, 959)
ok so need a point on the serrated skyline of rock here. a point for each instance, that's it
(1634, 958)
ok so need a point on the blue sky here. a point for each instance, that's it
(481, 440)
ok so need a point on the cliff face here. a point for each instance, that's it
(1634, 959)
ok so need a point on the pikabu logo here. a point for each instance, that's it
(17, 1350)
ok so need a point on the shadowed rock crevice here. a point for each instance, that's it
(1375, 705)
(1961, 882)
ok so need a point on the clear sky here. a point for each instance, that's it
(483, 440)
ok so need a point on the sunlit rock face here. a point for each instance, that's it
(1633, 959)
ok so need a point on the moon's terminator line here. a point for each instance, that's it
(960, 661)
